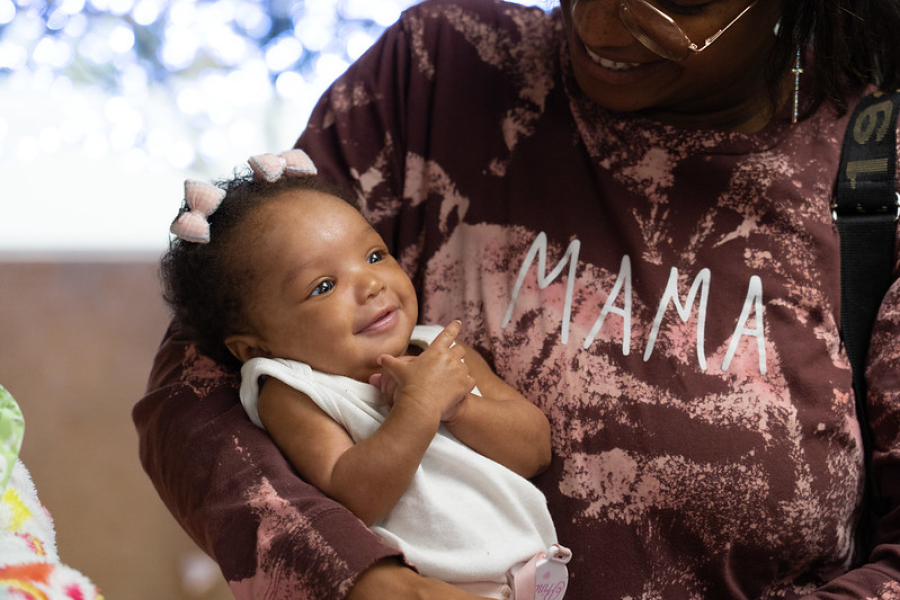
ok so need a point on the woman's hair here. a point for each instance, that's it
(855, 43)
(207, 285)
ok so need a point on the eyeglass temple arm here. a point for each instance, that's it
(716, 35)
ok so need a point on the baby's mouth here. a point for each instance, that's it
(382, 319)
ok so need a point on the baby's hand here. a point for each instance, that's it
(386, 384)
(437, 379)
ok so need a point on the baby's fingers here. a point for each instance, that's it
(392, 364)
(375, 379)
(447, 337)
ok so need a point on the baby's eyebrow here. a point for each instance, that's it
(292, 274)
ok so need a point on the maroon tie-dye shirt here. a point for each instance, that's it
(669, 298)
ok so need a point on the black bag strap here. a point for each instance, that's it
(865, 211)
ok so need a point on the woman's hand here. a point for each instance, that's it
(389, 580)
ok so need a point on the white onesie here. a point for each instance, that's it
(464, 518)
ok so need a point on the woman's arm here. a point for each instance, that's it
(233, 492)
(224, 480)
(390, 579)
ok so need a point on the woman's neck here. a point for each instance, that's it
(741, 119)
(747, 110)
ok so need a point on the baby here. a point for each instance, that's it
(278, 270)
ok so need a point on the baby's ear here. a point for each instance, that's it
(245, 346)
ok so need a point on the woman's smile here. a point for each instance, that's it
(615, 70)
(722, 86)
(610, 64)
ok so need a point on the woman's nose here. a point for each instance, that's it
(598, 25)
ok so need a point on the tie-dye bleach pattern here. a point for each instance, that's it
(669, 298)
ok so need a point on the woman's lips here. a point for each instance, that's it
(610, 64)
(615, 72)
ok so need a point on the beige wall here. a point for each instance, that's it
(77, 341)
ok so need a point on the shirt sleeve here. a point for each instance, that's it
(356, 135)
(223, 479)
(229, 487)
(879, 575)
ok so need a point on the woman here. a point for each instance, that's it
(616, 201)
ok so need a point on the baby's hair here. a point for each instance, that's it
(206, 284)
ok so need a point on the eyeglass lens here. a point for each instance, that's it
(654, 29)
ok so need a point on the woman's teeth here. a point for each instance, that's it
(610, 64)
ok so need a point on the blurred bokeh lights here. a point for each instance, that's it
(106, 105)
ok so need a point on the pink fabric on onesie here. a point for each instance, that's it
(544, 577)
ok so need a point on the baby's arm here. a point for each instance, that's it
(370, 476)
(501, 423)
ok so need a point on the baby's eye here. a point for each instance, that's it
(376, 256)
(323, 288)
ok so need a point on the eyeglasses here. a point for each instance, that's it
(657, 31)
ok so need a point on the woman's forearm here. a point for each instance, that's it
(389, 580)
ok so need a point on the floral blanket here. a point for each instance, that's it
(30, 568)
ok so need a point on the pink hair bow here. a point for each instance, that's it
(202, 200)
(293, 163)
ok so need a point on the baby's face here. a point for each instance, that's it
(328, 293)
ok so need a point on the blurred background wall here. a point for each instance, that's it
(77, 341)
(106, 106)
